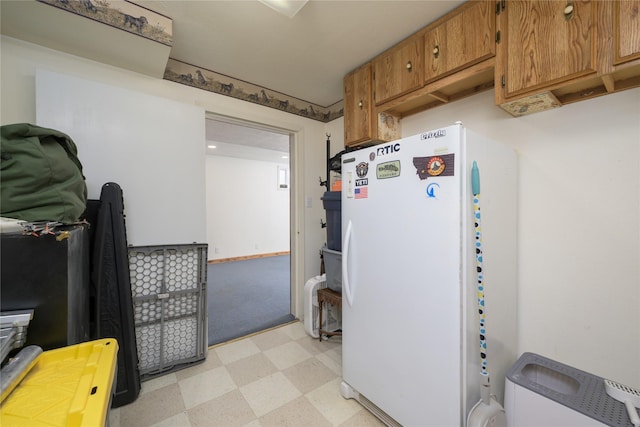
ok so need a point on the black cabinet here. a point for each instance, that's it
(49, 274)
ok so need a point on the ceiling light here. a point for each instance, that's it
(211, 146)
(286, 7)
(285, 157)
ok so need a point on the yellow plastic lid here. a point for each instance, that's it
(69, 386)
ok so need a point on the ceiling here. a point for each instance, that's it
(305, 56)
(246, 142)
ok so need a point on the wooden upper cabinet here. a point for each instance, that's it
(358, 112)
(461, 40)
(545, 42)
(362, 123)
(536, 54)
(626, 27)
(399, 69)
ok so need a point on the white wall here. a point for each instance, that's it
(20, 60)
(579, 225)
(246, 212)
(118, 140)
(579, 221)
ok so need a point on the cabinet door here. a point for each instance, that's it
(547, 42)
(357, 105)
(626, 15)
(398, 70)
(461, 41)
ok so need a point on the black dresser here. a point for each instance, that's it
(49, 274)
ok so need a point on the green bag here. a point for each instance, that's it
(40, 175)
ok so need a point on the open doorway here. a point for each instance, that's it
(248, 228)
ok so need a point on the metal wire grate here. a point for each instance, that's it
(168, 284)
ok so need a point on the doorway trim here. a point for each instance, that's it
(296, 197)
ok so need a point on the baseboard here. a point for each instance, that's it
(246, 257)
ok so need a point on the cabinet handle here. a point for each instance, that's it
(568, 11)
(409, 66)
(360, 104)
(436, 51)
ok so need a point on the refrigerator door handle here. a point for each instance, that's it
(345, 269)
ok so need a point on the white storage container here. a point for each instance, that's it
(543, 392)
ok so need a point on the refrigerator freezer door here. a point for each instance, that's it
(402, 317)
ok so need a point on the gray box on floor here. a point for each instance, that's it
(168, 284)
(543, 392)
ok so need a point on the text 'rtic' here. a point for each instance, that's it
(388, 149)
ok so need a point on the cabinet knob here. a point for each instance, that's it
(360, 104)
(409, 66)
(568, 10)
(436, 51)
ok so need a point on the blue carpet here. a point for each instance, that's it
(247, 296)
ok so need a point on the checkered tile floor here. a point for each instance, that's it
(281, 377)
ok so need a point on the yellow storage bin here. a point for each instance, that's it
(69, 386)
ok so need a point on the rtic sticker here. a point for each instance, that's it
(388, 169)
(431, 166)
(384, 150)
(387, 149)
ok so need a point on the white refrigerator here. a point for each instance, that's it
(410, 345)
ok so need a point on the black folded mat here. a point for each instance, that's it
(112, 301)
